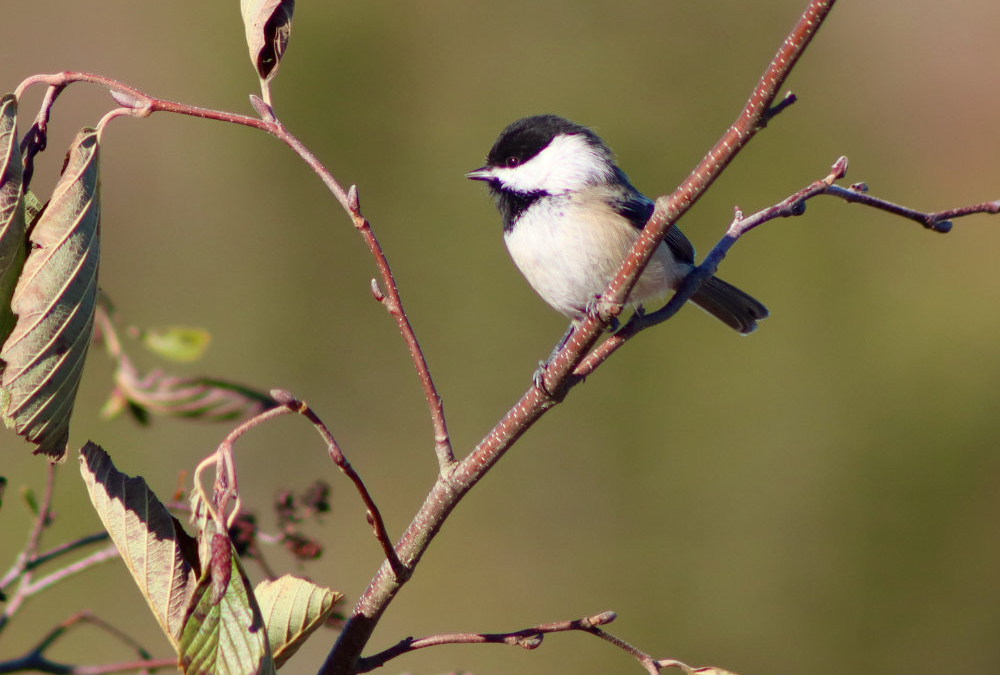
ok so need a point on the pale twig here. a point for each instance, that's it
(36, 661)
(107, 553)
(68, 547)
(20, 571)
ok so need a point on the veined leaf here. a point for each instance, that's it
(268, 25)
(193, 397)
(13, 240)
(223, 632)
(160, 555)
(54, 302)
(292, 608)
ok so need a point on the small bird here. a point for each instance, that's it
(570, 216)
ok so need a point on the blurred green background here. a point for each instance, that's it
(819, 497)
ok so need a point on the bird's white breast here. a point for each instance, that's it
(569, 246)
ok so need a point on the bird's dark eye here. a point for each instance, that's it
(512, 162)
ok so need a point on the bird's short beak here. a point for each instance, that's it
(482, 173)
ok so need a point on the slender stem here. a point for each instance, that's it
(36, 661)
(337, 455)
(939, 221)
(526, 638)
(21, 570)
(84, 563)
(68, 547)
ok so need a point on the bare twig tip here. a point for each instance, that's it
(353, 202)
(531, 641)
(128, 99)
(265, 111)
(840, 168)
(603, 619)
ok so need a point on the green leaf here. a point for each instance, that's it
(13, 240)
(268, 25)
(292, 609)
(223, 632)
(177, 343)
(162, 557)
(54, 302)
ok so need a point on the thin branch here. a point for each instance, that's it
(108, 553)
(526, 638)
(68, 547)
(226, 488)
(141, 104)
(793, 205)
(35, 660)
(939, 221)
(20, 570)
(336, 454)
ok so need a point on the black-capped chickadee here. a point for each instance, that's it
(570, 216)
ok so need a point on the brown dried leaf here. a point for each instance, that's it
(268, 25)
(54, 302)
(13, 242)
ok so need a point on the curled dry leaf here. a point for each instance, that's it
(12, 235)
(268, 25)
(54, 303)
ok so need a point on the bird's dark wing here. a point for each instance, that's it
(637, 207)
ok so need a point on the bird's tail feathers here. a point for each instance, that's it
(730, 305)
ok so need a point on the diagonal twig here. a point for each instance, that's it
(336, 454)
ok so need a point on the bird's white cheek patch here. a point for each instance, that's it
(566, 164)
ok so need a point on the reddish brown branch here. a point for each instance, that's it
(336, 454)
(526, 638)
